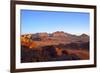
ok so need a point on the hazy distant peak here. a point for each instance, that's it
(84, 35)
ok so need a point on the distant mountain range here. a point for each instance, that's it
(56, 38)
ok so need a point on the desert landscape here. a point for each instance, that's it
(55, 46)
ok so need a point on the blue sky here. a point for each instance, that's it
(33, 21)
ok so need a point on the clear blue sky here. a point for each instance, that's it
(33, 21)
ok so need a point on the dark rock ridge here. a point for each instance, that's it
(46, 53)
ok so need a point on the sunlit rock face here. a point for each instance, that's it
(59, 33)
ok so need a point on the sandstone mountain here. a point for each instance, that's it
(56, 38)
(56, 46)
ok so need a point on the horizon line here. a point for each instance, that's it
(56, 31)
